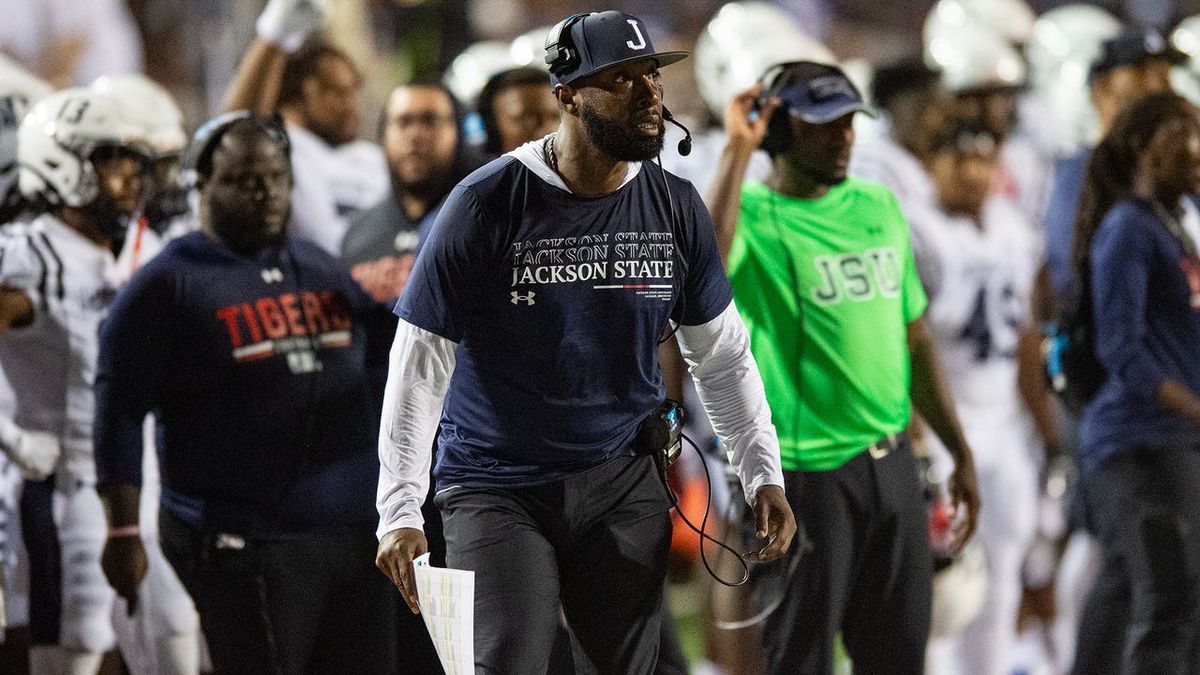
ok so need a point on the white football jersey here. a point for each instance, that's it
(879, 158)
(332, 184)
(978, 282)
(51, 364)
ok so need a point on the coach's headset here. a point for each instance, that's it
(197, 161)
(562, 57)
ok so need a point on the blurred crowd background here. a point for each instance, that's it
(194, 47)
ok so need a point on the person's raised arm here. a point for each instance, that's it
(282, 27)
(743, 136)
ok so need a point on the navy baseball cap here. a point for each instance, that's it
(814, 92)
(1132, 46)
(583, 44)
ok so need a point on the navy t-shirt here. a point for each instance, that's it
(557, 303)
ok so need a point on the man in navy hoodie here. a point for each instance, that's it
(252, 347)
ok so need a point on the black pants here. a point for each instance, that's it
(595, 543)
(306, 604)
(868, 575)
(1143, 613)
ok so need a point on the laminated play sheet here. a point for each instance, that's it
(447, 599)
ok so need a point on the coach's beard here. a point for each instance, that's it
(619, 141)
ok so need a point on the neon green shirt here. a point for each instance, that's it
(832, 348)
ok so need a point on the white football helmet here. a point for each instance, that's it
(1012, 20)
(1065, 37)
(151, 106)
(741, 41)
(19, 90)
(529, 49)
(976, 59)
(56, 139)
(1066, 40)
(472, 68)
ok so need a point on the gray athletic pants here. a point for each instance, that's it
(595, 544)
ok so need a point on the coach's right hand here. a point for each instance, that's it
(397, 549)
(124, 563)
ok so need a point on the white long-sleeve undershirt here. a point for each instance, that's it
(731, 390)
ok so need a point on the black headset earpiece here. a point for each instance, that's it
(561, 55)
(778, 138)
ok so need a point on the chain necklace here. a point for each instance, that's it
(551, 156)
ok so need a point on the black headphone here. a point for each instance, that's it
(561, 55)
(778, 138)
(198, 157)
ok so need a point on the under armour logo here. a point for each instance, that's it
(273, 275)
(641, 41)
(406, 242)
(517, 298)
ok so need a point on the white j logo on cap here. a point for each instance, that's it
(641, 41)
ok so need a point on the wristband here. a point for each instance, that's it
(124, 531)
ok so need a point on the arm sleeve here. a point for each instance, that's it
(1121, 258)
(421, 366)
(133, 357)
(718, 356)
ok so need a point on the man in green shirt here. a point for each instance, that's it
(823, 275)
